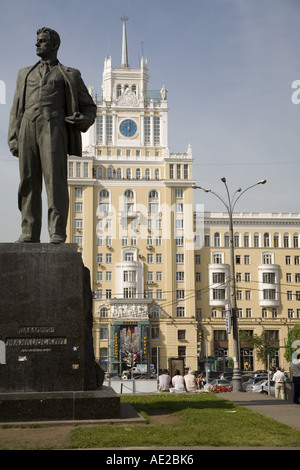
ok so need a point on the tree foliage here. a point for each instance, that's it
(294, 335)
(263, 344)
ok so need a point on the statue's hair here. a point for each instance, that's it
(54, 36)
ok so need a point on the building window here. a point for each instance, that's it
(269, 294)
(248, 294)
(219, 294)
(286, 240)
(78, 192)
(109, 128)
(179, 257)
(179, 275)
(218, 278)
(180, 294)
(269, 278)
(289, 295)
(99, 128)
(181, 334)
(103, 332)
(78, 206)
(103, 313)
(155, 331)
(266, 240)
(217, 239)
(178, 171)
(186, 172)
(256, 240)
(78, 224)
(147, 129)
(217, 258)
(264, 313)
(171, 171)
(180, 312)
(267, 258)
(290, 313)
(276, 240)
(156, 129)
(246, 240)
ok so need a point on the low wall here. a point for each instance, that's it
(132, 386)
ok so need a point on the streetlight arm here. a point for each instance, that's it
(215, 194)
(252, 186)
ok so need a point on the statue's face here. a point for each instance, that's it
(45, 47)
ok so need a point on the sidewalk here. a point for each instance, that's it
(280, 410)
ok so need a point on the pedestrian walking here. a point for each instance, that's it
(279, 379)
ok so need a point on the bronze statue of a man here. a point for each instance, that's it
(51, 108)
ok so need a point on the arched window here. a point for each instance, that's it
(129, 200)
(138, 173)
(156, 174)
(153, 202)
(104, 201)
(217, 239)
(266, 240)
(236, 239)
(128, 173)
(119, 91)
(110, 172)
(103, 312)
(147, 174)
(276, 240)
(100, 172)
(286, 240)
(119, 173)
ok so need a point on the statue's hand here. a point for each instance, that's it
(78, 119)
(14, 152)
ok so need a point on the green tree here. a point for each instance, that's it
(294, 335)
(263, 344)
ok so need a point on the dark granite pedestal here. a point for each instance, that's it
(47, 365)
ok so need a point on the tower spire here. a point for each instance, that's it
(124, 43)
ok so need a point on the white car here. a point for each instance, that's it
(262, 387)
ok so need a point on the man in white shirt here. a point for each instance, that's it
(295, 373)
(279, 379)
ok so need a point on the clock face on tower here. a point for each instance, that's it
(128, 128)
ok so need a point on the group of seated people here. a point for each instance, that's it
(179, 383)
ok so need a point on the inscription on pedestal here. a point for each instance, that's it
(45, 311)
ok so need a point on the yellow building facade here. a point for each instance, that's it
(160, 282)
(267, 271)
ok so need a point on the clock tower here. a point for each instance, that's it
(130, 113)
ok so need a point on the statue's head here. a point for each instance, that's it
(47, 44)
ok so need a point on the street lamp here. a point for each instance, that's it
(230, 204)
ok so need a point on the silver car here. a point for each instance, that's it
(262, 387)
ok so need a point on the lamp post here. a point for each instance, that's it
(230, 204)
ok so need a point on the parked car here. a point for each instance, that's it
(262, 387)
(252, 381)
(221, 383)
(263, 373)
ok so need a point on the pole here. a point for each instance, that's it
(236, 378)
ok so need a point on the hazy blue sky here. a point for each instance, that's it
(228, 66)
